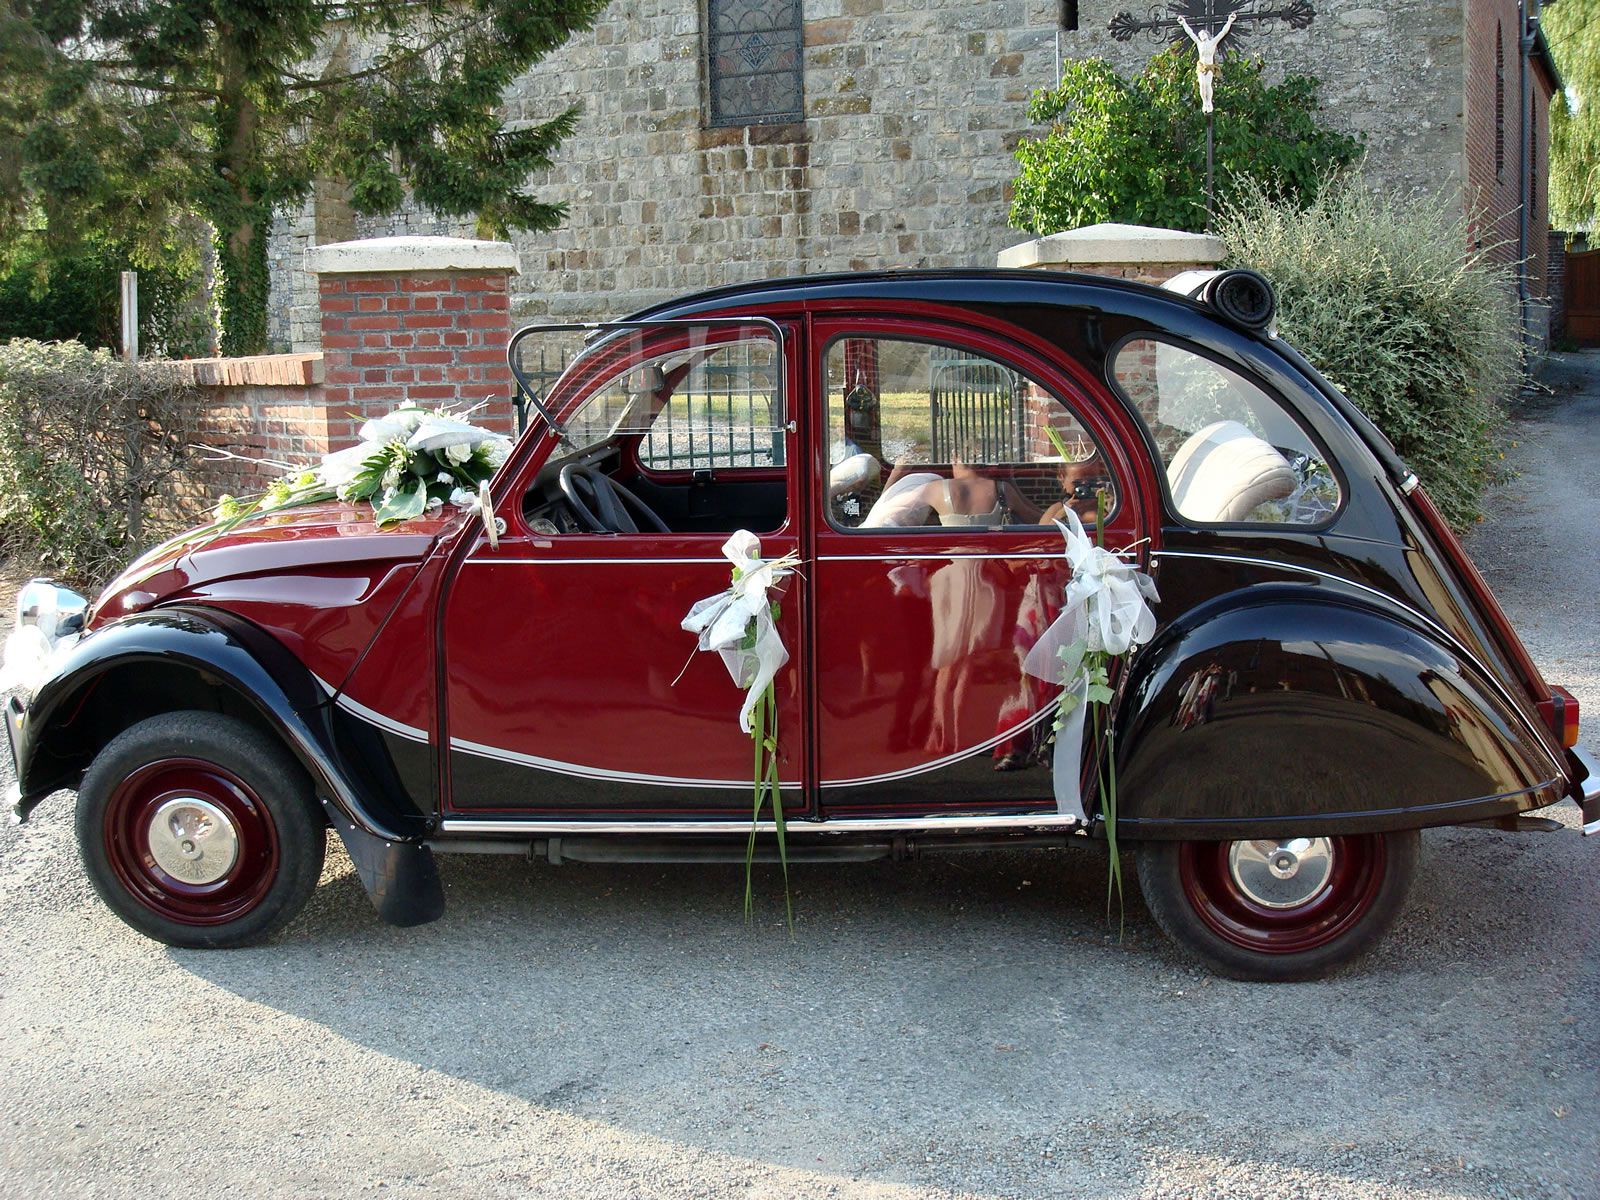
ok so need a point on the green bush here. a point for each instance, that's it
(92, 451)
(1382, 294)
(50, 297)
(1134, 150)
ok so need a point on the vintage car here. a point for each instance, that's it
(1328, 675)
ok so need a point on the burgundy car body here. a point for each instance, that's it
(445, 692)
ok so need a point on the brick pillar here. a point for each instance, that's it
(1138, 252)
(423, 320)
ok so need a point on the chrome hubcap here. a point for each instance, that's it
(1281, 874)
(193, 840)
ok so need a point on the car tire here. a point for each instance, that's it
(1278, 910)
(200, 830)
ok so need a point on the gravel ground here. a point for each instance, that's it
(958, 1027)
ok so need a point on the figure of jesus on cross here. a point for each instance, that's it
(1205, 67)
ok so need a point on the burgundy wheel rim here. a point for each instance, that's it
(1338, 905)
(194, 786)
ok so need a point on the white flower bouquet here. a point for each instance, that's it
(406, 463)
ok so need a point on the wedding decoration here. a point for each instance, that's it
(406, 463)
(1105, 616)
(741, 625)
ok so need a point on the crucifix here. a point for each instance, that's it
(1206, 23)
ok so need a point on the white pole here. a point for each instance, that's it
(130, 316)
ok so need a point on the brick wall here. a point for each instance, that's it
(267, 407)
(1492, 140)
(432, 339)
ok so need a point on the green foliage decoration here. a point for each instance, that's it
(93, 454)
(132, 117)
(1381, 293)
(1133, 150)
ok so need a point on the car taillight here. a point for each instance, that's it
(1560, 712)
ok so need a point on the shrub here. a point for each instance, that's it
(1134, 150)
(53, 297)
(1383, 295)
(91, 452)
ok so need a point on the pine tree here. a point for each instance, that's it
(131, 115)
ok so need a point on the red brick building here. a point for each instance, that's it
(1507, 146)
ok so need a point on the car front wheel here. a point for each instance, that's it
(1278, 909)
(200, 830)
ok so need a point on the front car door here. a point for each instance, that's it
(938, 565)
(570, 688)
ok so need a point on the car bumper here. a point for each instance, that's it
(15, 714)
(1588, 792)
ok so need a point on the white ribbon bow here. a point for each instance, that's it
(723, 621)
(1106, 608)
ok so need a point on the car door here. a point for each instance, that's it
(570, 687)
(938, 564)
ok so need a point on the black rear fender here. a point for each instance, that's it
(1282, 710)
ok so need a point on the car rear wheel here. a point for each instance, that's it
(200, 830)
(1276, 909)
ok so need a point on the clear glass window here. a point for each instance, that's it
(1233, 454)
(709, 406)
(933, 435)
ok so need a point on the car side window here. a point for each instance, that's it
(687, 440)
(1232, 453)
(930, 435)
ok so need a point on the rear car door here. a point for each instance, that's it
(938, 563)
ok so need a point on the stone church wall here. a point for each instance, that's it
(912, 109)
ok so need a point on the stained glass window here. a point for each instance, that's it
(753, 54)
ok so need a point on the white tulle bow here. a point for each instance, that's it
(1106, 608)
(1113, 591)
(723, 622)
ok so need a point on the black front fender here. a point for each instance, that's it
(1282, 710)
(59, 732)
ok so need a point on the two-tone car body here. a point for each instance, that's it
(1329, 673)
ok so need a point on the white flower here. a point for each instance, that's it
(495, 451)
(462, 498)
(398, 425)
(434, 502)
(444, 477)
(457, 453)
(342, 466)
(456, 438)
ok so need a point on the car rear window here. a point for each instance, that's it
(1232, 453)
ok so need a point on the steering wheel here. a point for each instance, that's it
(601, 504)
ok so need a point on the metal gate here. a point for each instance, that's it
(1583, 297)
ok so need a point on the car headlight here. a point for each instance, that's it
(56, 611)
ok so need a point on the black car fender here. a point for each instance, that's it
(1283, 709)
(181, 657)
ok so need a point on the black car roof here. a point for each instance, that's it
(951, 285)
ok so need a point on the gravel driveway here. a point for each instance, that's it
(958, 1027)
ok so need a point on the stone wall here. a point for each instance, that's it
(912, 108)
(1392, 74)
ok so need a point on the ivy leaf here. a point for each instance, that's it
(403, 504)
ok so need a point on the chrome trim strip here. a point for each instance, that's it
(581, 771)
(1024, 556)
(936, 764)
(1591, 828)
(388, 724)
(1050, 820)
(1454, 642)
(573, 562)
